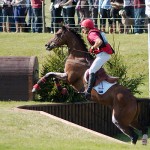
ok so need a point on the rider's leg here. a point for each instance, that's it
(101, 58)
(91, 82)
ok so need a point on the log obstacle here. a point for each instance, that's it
(17, 77)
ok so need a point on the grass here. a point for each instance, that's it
(30, 130)
(24, 44)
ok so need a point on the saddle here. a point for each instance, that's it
(101, 75)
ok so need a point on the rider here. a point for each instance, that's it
(99, 46)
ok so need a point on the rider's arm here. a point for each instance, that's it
(97, 44)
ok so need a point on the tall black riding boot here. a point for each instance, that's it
(90, 85)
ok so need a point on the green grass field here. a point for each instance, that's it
(32, 131)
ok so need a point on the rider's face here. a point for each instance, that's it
(84, 30)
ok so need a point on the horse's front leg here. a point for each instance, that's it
(61, 76)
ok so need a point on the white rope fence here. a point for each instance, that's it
(149, 54)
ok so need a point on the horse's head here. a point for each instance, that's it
(58, 40)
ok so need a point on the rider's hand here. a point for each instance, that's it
(91, 49)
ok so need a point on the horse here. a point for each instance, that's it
(124, 105)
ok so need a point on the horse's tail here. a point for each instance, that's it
(145, 100)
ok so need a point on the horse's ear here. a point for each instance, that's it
(64, 28)
(76, 29)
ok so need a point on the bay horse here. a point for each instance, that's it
(125, 107)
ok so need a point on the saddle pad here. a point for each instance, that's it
(103, 86)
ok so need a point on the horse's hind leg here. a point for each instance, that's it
(62, 76)
(143, 129)
(129, 131)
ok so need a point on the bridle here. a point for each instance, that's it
(56, 42)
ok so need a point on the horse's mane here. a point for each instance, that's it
(78, 35)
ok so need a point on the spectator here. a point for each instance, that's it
(147, 9)
(77, 12)
(8, 16)
(129, 8)
(117, 5)
(68, 12)
(19, 14)
(83, 8)
(105, 7)
(56, 13)
(139, 13)
(37, 12)
(94, 11)
(29, 14)
(1, 18)
(52, 18)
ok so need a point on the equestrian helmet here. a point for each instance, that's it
(88, 23)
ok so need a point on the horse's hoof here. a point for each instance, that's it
(36, 87)
(134, 140)
(144, 139)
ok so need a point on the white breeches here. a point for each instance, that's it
(99, 61)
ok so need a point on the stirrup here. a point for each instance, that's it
(134, 140)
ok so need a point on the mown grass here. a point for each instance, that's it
(29, 130)
(33, 131)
